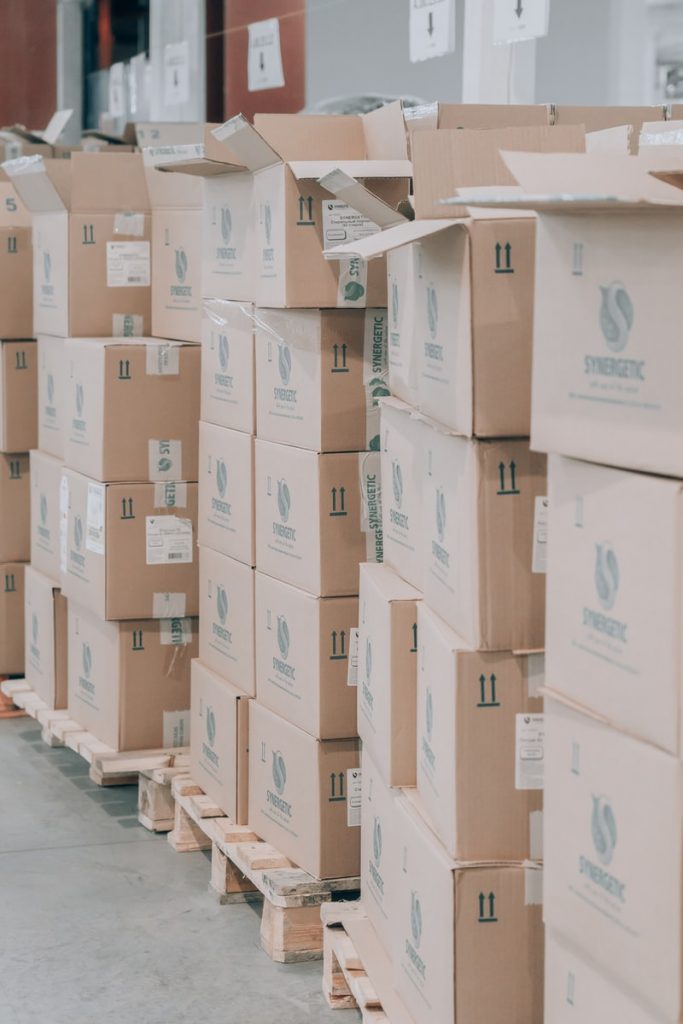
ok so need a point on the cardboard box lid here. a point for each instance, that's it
(392, 238)
(44, 186)
(484, 116)
(108, 182)
(610, 140)
(49, 134)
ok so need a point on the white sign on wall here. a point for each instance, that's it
(517, 20)
(176, 73)
(432, 28)
(264, 62)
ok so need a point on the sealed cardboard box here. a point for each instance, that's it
(228, 373)
(304, 795)
(12, 618)
(379, 852)
(480, 746)
(18, 396)
(302, 658)
(387, 670)
(46, 478)
(468, 940)
(129, 682)
(132, 409)
(51, 395)
(482, 500)
(575, 991)
(404, 444)
(226, 618)
(16, 265)
(45, 667)
(319, 376)
(614, 603)
(219, 741)
(15, 505)
(91, 243)
(128, 550)
(226, 492)
(403, 371)
(316, 517)
(608, 797)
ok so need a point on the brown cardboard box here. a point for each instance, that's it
(45, 638)
(226, 492)
(220, 741)
(91, 243)
(18, 396)
(309, 530)
(404, 439)
(15, 507)
(304, 795)
(132, 409)
(387, 672)
(18, 140)
(598, 118)
(380, 869)
(482, 503)
(129, 682)
(319, 376)
(51, 395)
(493, 115)
(468, 941)
(128, 550)
(226, 619)
(480, 746)
(302, 657)
(228, 365)
(12, 618)
(16, 266)
(46, 478)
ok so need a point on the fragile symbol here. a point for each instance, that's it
(12, 245)
(512, 489)
(484, 701)
(339, 352)
(88, 234)
(137, 640)
(337, 793)
(504, 267)
(305, 211)
(21, 363)
(487, 915)
(124, 369)
(338, 505)
(338, 649)
(127, 508)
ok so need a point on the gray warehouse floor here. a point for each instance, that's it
(103, 921)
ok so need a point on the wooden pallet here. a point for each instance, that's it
(107, 766)
(8, 709)
(243, 867)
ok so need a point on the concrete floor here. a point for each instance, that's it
(102, 921)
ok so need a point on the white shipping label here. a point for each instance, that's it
(375, 371)
(371, 505)
(168, 541)
(341, 223)
(353, 282)
(539, 560)
(162, 358)
(127, 325)
(94, 523)
(529, 751)
(129, 223)
(170, 494)
(352, 666)
(264, 60)
(165, 460)
(128, 265)
(432, 28)
(176, 728)
(169, 606)
(176, 73)
(354, 777)
(517, 20)
(175, 632)
(63, 523)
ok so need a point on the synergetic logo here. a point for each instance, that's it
(222, 603)
(377, 841)
(78, 532)
(180, 265)
(87, 660)
(429, 713)
(279, 772)
(432, 312)
(397, 482)
(603, 829)
(284, 363)
(415, 919)
(394, 304)
(283, 636)
(440, 514)
(43, 509)
(606, 575)
(221, 477)
(284, 500)
(210, 725)
(80, 400)
(268, 223)
(47, 266)
(223, 351)
(50, 388)
(226, 224)
(616, 315)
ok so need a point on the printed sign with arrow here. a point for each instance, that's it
(517, 20)
(432, 28)
(264, 58)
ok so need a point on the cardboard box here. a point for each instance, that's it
(15, 504)
(12, 618)
(401, 297)
(480, 746)
(128, 550)
(493, 115)
(226, 619)
(614, 602)
(16, 140)
(607, 796)
(468, 941)
(302, 658)
(228, 391)
(380, 867)
(576, 992)
(598, 118)
(387, 672)
(132, 409)
(311, 515)
(45, 520)
(482, 504)
(304, 795)
(51, 395)
(220, 741)
(18, 396)
(16, 265)
(91, 243)
(129, 682)
(226, 492)
(319, 376)
(404, 444)
(45, 664)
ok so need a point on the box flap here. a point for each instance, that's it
(385, 133)
(361, 199)
(492, 115)
(56, 126)
(382, 242)
(108, 182)
(308, 169)
(313, 136)
(611, 140)
(128, 136)
(43, 185)
(597, 118)
(246, 144)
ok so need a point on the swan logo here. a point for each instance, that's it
(47, 266)
(226, 224)
(268, 223)
(606, 575)
(210, 726)
(616, 315)
(440, 514)
(368, 658)
(429, 713)
(377, 841)
(50, 388)
(222, 603)
(283, 636)
(432, 312)
(284, 363)
(279, 772)
(87, 660)
(43, 509)
(221, 477)
(394, 304)
(397, 482)
(180, 265)
(223, 351)
(78, 532)
(80, 400)
(415, 919)
(603, 829)
(284, 500)
(353, 291)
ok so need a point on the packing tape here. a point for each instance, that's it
(175, 632)
(229, 313)
(533, 885)
(130, 223)
(371, 504)
(535, 673)
(536, 835)
(375, 371)
(169, 606)
(176, 661)
(176, 728)
(165, 459)
(162, 358)
(127, 325)
(170, 494)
